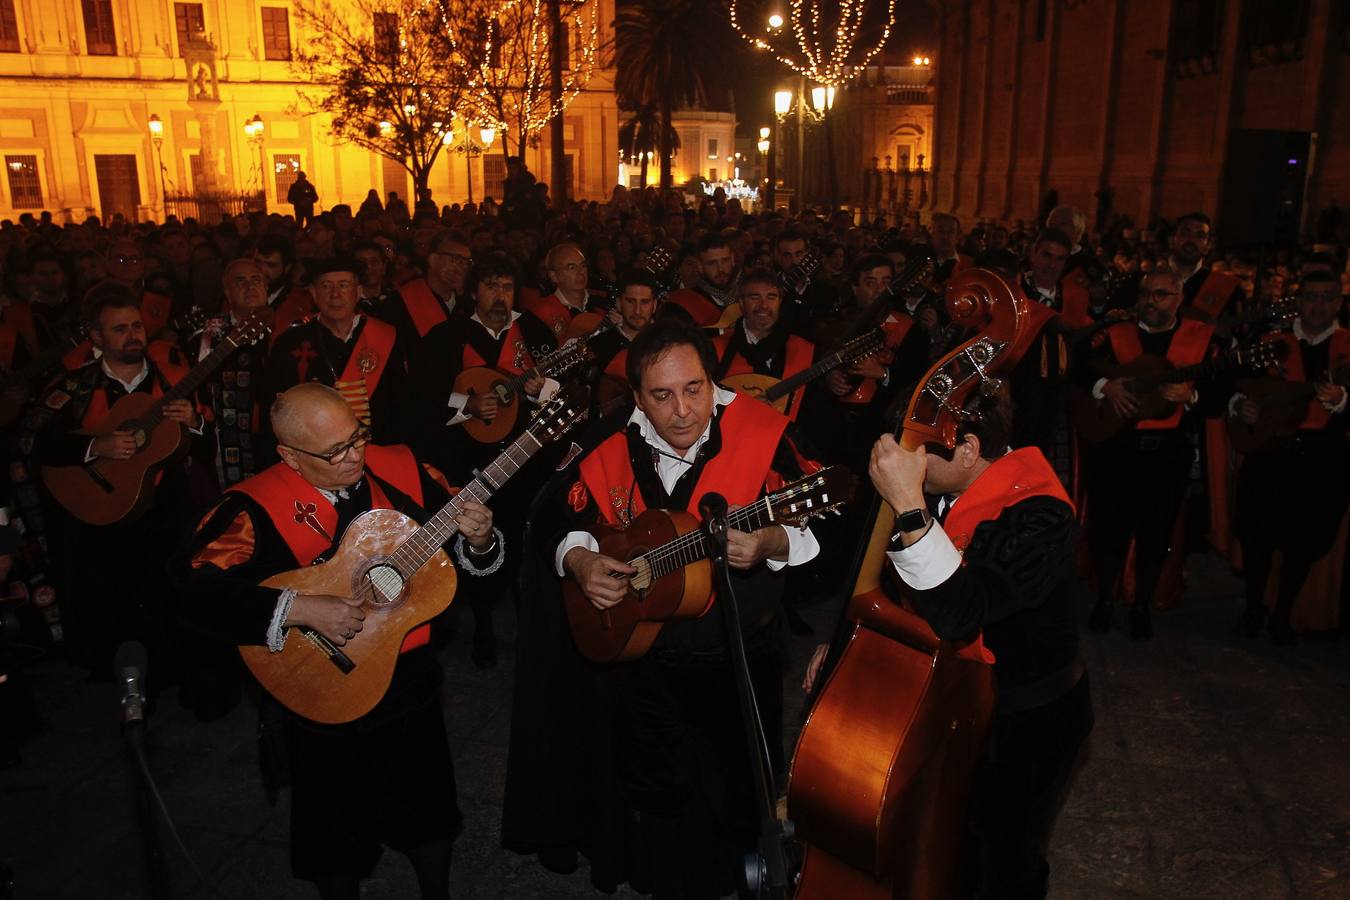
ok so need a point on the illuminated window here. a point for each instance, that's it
(284, 166)
(25, 190)
(190, 21)
(276, 26)
(99, 33)
(9, 28)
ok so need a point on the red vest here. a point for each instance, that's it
(704, 312)
(291, 502)
(618, 366)
(424, 307)
(552, 312)
(20, 315)
(750, 435)
(1010, 479)
(361, 376)
(514, 357)
(294, 307)
(1218, 289)
(1317, 416)
(798, 354)
(96, 414)
(1190, 340)
(155, 312)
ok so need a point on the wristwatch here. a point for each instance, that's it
(911, 520)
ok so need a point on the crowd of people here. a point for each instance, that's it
(320, 368)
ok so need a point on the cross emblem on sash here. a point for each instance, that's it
(303, 354)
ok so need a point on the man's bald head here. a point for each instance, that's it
(309, 410)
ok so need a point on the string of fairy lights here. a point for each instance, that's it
(828, 56)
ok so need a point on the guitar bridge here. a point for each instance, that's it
(328, 648)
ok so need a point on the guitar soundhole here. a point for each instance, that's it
(384, 584)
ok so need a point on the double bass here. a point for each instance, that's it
(884, 764)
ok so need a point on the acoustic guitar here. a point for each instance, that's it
(104, 491)
(884, 764)
(777, 393)
(404, 578)
(1096, 419)
(507, 389)
(674, 577)
(583, 324)
(1283, 407)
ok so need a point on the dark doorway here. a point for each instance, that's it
(119, 189)
(1263, 187)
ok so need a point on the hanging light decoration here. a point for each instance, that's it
(821, 40)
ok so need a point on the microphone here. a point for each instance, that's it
(131, 665)
(713, 508)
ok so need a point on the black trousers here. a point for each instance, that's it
(1018, 789)
(686, 772)
(1136, 485)
(1289, 501)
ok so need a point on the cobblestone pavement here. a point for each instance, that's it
(1218, 768)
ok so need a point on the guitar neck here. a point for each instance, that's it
(817, 369)
(691, 547)
(422, 544)
(191, 381)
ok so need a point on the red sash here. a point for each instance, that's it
(750, 435)
(896, 329)
(618, 366)
(361, 376)
(20, 315)
(96, 414)
(704, 312)
(79, 356)
(514, 357)
(1218, 289)
(296, 507)
(798, 355)
(1075, 304)
(552, 312)
(9, 340)
(1317, 415)
(155, 312)
(424, 307)
(293, 308)
(1010, 479)
(1189, 342)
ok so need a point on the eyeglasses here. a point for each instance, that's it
(359, 439)
(457, 257)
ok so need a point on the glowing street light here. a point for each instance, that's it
(775, 21)
(156, 127)
(782, 102)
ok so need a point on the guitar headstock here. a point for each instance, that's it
(807, 267)
(558, 415)
(866, 344)
(812, 496)
(250, 331)
(658, 261)
(1260, 354)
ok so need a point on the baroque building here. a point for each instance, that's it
(82, 79)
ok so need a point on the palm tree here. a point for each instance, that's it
(638, 136)
(658, 44)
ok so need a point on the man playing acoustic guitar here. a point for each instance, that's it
(386, 777)
(685, 772)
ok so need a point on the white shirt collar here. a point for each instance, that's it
(749, 338)
(515, 314)
(356, 321)
(562, 298)
(1312, 340)
(670, 463)
(134, 382)
(1185, 276)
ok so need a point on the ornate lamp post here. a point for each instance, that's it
(765, 147)
(253, 130)
(157, 138)
(470, 147)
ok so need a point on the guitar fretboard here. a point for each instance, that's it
(691, 547)
(190, 382)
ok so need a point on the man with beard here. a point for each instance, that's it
(423, 303)
(758, 344)
(232, 391)
(1137, 479)
(1205, 290)
(374, 289)
(386, 778)
(289, 304)
(806, 300)
(636, 308)
(708, 302)
(341, 348)
(566, 268)
(115, 587)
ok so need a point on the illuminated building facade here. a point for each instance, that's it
(82, 79)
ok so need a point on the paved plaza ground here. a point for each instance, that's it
(1219, 767)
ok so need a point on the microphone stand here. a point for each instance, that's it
(766, 871)
(133, 736)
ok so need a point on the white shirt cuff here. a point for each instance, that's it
(927, 562)
(1339, 407)
(1097, 392)
(89, 454)
(573, 539)
(458, 403)
(1234, 402)
(802, 548)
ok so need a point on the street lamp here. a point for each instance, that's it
(471, 148)
(157, 138)
(766, 150)
(253, 131)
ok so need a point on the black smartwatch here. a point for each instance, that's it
(911, 520)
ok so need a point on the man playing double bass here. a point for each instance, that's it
(984, 543)
(387, 777)
(684, 770)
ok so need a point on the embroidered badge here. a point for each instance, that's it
(57, 399)
(518, 361)
(621, 500)
(577, 496)
(558, 326)
(305, 515)
(367, 361)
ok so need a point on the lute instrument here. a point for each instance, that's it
(674, 577)
(884, 764)
(104, 491)
(404, 578)
(778, 392)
